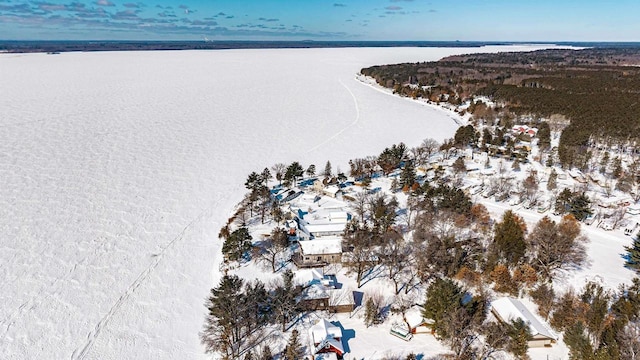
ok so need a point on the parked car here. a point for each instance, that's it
(543, 208)
(590, 219)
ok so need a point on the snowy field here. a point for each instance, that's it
(117, 169)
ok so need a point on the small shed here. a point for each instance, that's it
(418, 324)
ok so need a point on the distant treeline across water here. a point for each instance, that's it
(65, 46)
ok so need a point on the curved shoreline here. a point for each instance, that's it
(369, 81)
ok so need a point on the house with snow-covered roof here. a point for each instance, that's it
(321, 292)
(508, 309)
(323, 222)
(332, 190)
(325, 341)
(318, 252)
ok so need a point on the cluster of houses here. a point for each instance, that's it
(319, 222)
(318, 219)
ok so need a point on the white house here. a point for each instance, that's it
(332, 190)
(508, 309)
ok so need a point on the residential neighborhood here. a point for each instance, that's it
(357, 245)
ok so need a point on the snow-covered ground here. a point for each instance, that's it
(117, 169)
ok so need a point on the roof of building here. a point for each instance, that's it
(342, 296)
(332, 245)
(315, 291)
(336, 227)
(325, 333)
(332, 189)
(508, 309)
(414, 317)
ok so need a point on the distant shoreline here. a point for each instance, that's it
(53, 47)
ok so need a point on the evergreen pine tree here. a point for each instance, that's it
(580, 206)
(293, 172)
(443, 297)
(327, 170)
(519, 335)
(370, 312)
(544, 135)
(633, 257)
(311, 170)
(237, 244)
(224, 330)
(408, 175)
(509, 245)
(293, 350)
(552, 183)
(266, 176)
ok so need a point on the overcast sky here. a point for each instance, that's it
(481, 20)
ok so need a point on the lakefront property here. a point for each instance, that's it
(431, 247)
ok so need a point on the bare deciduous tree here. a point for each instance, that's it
(271, 249)
(556, 246)
(629, 341)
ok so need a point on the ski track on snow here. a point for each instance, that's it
(46, 292)
(82, 351)
(355, 101)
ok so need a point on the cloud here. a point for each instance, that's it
(93, 13)
(78, 20)
(103, 3)
(16, 9)
(167, 14)
(126, 15)
(203, 23)
(229, 17)
(432, 10)
(339, 5)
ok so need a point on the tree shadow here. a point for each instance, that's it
(373, 273)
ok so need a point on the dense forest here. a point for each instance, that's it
(597, 90)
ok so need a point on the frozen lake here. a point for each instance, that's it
(117, 170)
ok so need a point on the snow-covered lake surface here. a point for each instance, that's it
(117, 169)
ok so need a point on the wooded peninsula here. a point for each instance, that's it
(594, 94)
